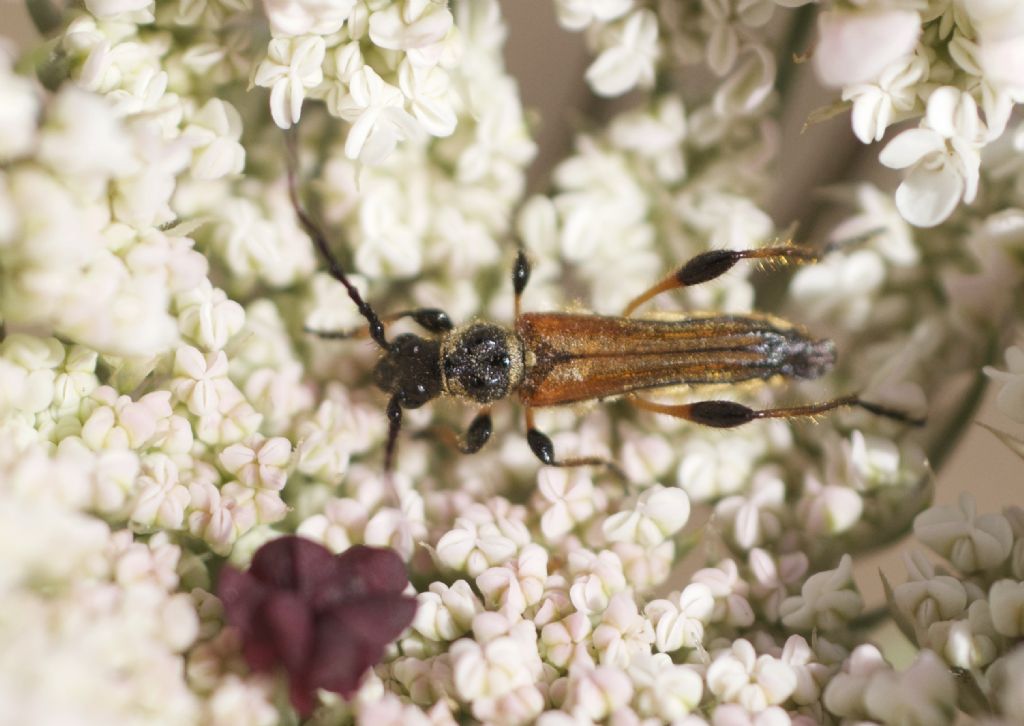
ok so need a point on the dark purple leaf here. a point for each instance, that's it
(302, 696)
(380, 570)
(294, 563)
(342, 657)
(290, 628)
(325, 620)
(377, 618)
(261, 655)
(242, 594)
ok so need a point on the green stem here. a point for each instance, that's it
(799, 33)
(46, 15)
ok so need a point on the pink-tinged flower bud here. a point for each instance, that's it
(856, 46)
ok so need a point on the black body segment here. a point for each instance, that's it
(410, 370)
(481, 362)
(520, 272)
(541, 445)
(434, 320)
(478, 434)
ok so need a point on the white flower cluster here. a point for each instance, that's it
(383, 67)
(623, 34)
(968, 616)
(520, 634)
(81, 245)
(438, 211)
(87, 610)
(615, 232)
(941, 62)
(938, 61)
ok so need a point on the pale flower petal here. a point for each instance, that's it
(928, 196)
(910, 147)
(628, 62)
(405, 25)
(306, 17)
(855, 45)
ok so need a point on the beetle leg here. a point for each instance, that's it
(477, 435)
(714, 263)
(394, 412)
(728, 414)
(544, 449)
(433, 320)
(520, 276)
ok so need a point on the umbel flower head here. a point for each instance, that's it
(324, 618)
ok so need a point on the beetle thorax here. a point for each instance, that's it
(481, 362)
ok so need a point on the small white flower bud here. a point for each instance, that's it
(596, 693)
(259, 462)
(472, 549)
(658, 513)
(970, 542)
(840, 61)
(924, 693)
(596, 578)
(681, 624)
(292, 66)
(445, 613)
(407, 25)
(491, 670)
(213, 132)
(960, 646)
(306, 17)
(565, 498)
(730, 593)
(810, 675)
(162, 497)
(664, 690)
(929, 601)
(844, 694)
(567, 641)
(622, 632)
(828, 509)
(739, 675)
(1006, 601)
(179, 623)
(207, 317)
(827, 600)
(338, 526)
(629, 54)
(519, 706)
(518, 584)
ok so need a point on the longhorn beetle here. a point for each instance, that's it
(557, 358)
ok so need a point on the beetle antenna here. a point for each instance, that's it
(320, 241)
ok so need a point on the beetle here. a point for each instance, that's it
(561, 358)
